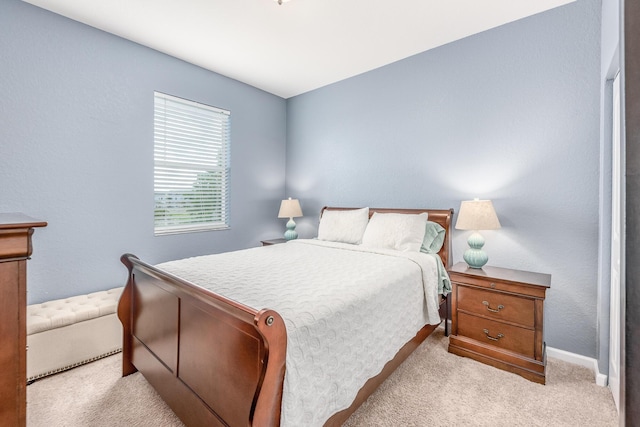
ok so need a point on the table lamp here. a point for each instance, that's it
(476, 215)
(290, 208)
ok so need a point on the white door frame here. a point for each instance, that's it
(617, 212)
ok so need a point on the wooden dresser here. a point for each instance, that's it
(498, 316)
(15, 247)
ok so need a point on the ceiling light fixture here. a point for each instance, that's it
(281, 1)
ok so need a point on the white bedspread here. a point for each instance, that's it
(347, 310)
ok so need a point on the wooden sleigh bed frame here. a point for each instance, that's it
(216, 362)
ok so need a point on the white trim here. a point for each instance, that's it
(577, 359)
(193, 103)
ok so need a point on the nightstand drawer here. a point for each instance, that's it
(497, 305)
(508, 337)
(504, 285)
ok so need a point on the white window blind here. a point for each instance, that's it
(191, 166)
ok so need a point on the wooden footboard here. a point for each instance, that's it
(213, 360)
(217, 362)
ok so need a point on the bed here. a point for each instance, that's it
(217, 361)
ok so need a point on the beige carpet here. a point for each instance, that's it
(432, 388)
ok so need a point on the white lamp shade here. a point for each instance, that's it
(477, 215)
(290, 208)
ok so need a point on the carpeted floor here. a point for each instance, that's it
(432, 388)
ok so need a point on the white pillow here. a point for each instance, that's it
(402, 232)
(343, 226)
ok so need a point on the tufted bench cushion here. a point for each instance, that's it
(63, 312)
(65, 333)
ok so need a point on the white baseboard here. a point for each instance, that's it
(577, 359)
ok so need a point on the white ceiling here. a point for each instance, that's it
(300, 45)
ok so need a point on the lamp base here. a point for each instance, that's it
(475, 257)
(291, 233)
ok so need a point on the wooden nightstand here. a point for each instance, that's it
(497, 318)
(272, 242)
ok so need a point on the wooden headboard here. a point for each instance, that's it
(440, 216)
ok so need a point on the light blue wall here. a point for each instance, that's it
(76, 150)
(610, 33)
(511, 114)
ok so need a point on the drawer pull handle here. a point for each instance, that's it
(486, 332)
(493, 310)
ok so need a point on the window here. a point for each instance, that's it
(191, 166)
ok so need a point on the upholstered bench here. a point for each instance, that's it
(65, 333)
